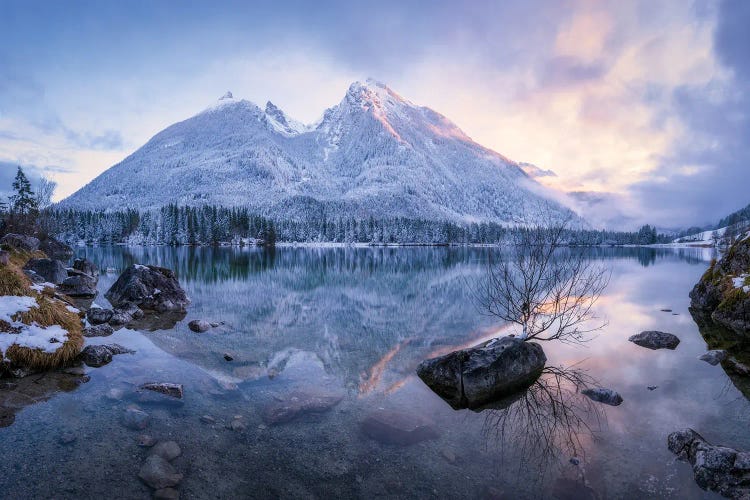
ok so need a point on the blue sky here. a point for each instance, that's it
(647, 101)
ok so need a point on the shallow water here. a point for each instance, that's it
(355, 323)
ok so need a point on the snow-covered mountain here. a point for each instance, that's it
(374, 153)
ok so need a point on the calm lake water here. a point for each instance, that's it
(355, 323)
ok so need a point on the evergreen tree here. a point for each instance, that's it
(23, 202)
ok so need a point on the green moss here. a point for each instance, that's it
(732, 299)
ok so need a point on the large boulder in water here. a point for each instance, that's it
(716, 468)
(723, 292)
(51, 270)
(655, 340)
(470, 378)
(151, 288)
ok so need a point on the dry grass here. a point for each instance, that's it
(49, 311)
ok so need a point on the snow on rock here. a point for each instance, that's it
(373, 154)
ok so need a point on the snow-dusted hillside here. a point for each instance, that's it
(374, 153)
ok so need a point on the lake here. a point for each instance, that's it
(349, 326)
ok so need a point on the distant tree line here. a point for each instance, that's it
(211, 225)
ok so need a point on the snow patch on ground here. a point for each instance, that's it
(10, 305)
(39, 287)
(33, 336)
(739, 282)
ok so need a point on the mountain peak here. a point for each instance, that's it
(280, 122)
(374, 92)
(228, 95)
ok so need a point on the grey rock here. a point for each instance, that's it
(166, 388)
(4, 258)
(603, 395)
(34, 276)
(136, 419)
(716, 297)
(67, 437)
(199, 325)
(158, 473)
(393, 427)
(145, 441)
(99, 355)
(53, 271)
(125, 313)
(55, 249)
(470, 378)
(75, 370)
(150, 288)
(238, 424)
(716, 468)
(713, 357)
(168, 450)
(298, 403)
(20, 242)
(655, 340)
(166, 494)
(208, 419)
(86, 267)
(98, 315)
(78, 286)
(103, 330)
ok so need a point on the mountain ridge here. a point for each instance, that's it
(372, 154)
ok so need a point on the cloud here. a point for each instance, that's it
(703, 177)
(641, 99)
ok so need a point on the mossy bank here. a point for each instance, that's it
(723, 292)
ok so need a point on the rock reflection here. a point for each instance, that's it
(736, 364)
(546, 424)
(17, 394)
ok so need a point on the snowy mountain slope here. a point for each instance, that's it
(374, 153)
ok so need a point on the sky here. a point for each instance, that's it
(644, 103)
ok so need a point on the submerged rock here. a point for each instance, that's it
(166, 494)
(393, 427)
(136, 419)
(470, 378)
(158, 473)
(655, 340)
(145, 441)
(713, 357)
(53, 271)
(297, 404)
(166, 388)
(151, 288)
(603, 395)
(199, 326)
(168, 450)
(716, 468)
